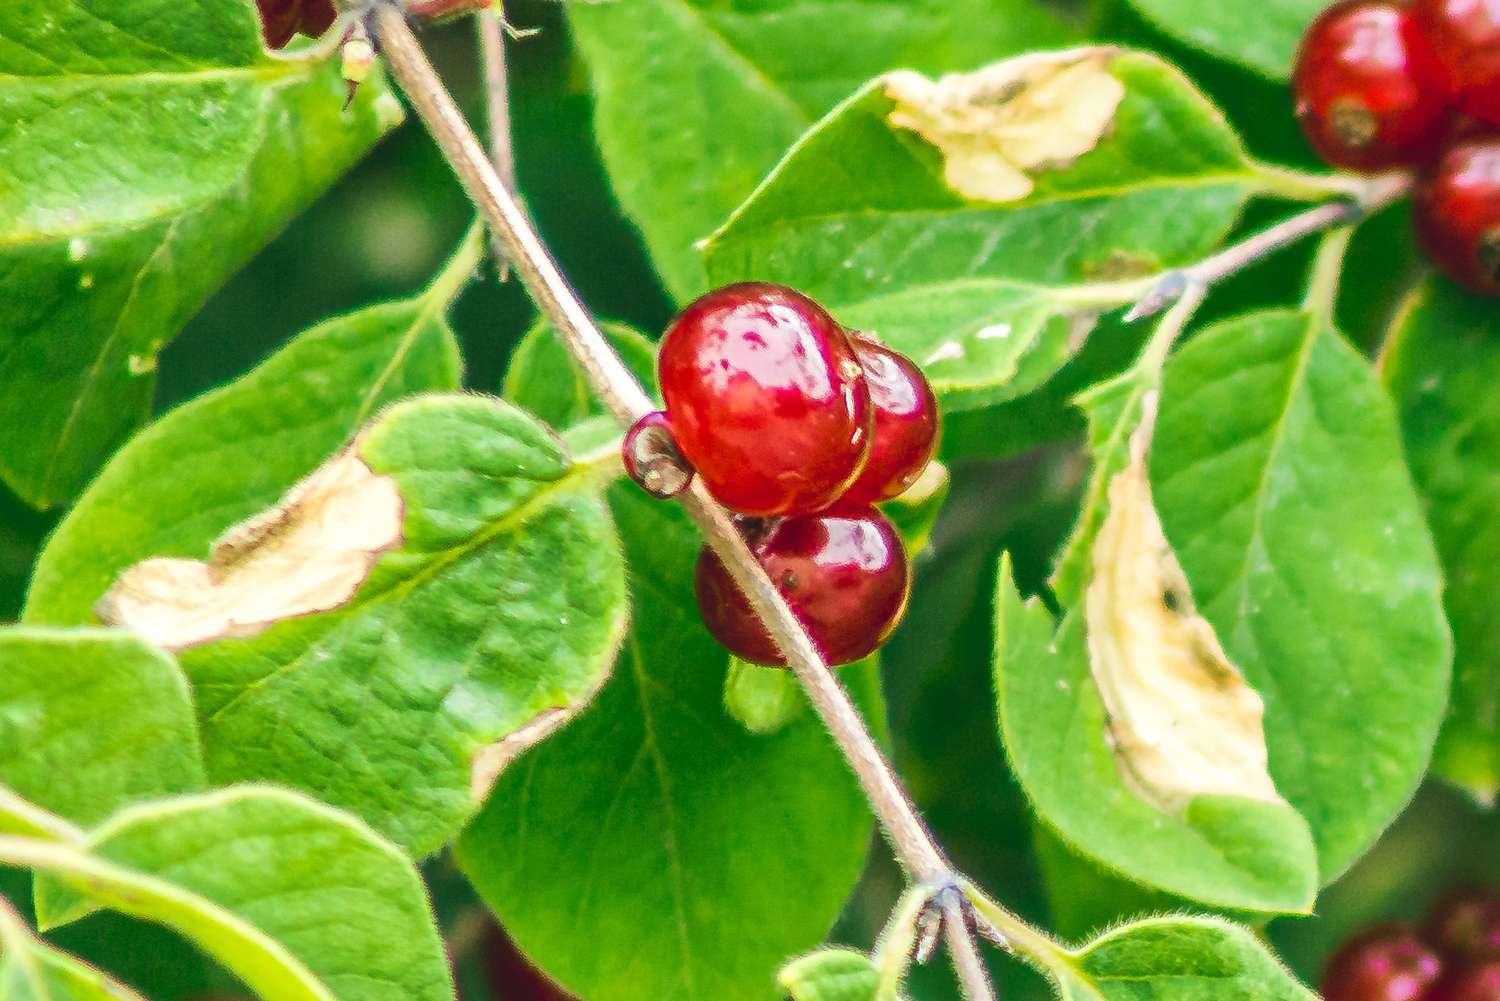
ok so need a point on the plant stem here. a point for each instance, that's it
(497, 108)
(617, 388)
(1328, 265)
(1168, 288)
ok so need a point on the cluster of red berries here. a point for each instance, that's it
(1383, 84)
(800, 427)
(1454, 956)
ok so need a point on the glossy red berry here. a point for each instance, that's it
(1370, 91)
(906, 423)
(844, 573)
(281, 19)
(1465, 925)
(1477, 983)
(1456, 207)
(1388, 963)
(766, 399)
(1465, 34)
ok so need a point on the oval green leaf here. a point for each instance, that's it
(1442, 366)
(148, 153)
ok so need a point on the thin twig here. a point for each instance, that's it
(973, 978)
(497, 109)
(1170, 287)
(620, 392)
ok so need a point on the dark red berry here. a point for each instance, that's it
(1456, 206)
(844, 573)
(1465, 925)
(906, 423)
(1388, 963)
(281, 19)
(1466, 37)
(766, 399)
(1370, 91)
(1477, 983)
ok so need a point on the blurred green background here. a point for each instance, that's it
(384, 230)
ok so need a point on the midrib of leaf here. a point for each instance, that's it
(268, 70)
(772, 88)
(15, 944)
(142, 895)
(674, 850)
(436, 299)
(578, 477)
(1254, 542)
(1249, 178)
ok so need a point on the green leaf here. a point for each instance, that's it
(149, 150)
(685, 140)
(1230, 852)
(297, 900)
(993, 291)
(699, 855)
(1442, 366)
(831, 975)
(99, 709)
(542, 376)
(1176, 959)
(232, 452)
(1278, 477)
(444, 591)
(763, 699)
(1262, 37)
(31, 970)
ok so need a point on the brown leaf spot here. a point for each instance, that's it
(999, 126)
(309, 553)
(1182, 720)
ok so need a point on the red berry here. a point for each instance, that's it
(844, 573)
(281, 19)
(1370, 91)
(1456, 206)
(766, 399)
(1465, 925)
(906, 423)
(1388, 963)
(1478, 983)
(1466, 36)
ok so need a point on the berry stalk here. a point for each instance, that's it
(625, 399)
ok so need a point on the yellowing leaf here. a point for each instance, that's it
(309, 553)
(1001, 124)
(1182, 720)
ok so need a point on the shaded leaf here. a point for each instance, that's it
(542, 376)
(149, 150)
(297, 900)
(700, 855)
(31, 970)
(101, 708)
(1262, 37)
(993, 295)
(1442, 365)
(685, 140)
